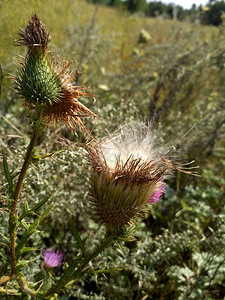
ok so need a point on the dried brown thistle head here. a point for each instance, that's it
(35, 35)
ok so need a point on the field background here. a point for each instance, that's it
(175, 81)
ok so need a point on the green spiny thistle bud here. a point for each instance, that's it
(42, 81)
(36, 82)
(128, 176)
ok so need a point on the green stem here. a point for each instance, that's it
(71, 272)
(13, 213)
(105, 243)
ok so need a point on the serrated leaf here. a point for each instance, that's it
(30, 231)
(77, 236)
(35, 208)
(8, 175)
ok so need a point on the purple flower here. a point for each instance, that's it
(157, 194)
(53, 258)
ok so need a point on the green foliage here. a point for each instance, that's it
(136, 5)
(175, 82)
(213, 15)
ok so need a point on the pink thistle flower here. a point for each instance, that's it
(53, 258)
(157, 194)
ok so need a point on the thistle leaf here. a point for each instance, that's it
(35, 208)
(77, 236)
(5, 237)
(103, 271)
(5, 257)
(28, 249)
(31, 229)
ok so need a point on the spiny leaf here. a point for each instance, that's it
(24, 224)
(5, 237)
(5, 257)
(77, 236)
(37, 157)
(35, 208)
(30, 231)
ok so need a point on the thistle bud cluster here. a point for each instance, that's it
(128, 175)
(46, 83)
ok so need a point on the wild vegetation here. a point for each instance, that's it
(211, 14)
(170, 74)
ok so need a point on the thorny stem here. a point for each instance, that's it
(13, 213)
(65, 278)
(105, 243)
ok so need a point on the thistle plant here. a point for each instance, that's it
(45, 86)
(45, 83)
(128, 170)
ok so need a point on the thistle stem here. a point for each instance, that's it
(13, 213)
(68, 276)
(105, 243)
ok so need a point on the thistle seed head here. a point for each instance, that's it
(128, 175)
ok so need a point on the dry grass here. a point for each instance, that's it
(57, 15)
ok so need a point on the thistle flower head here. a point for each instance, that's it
(46, 83)
(128, 175)
(52, 258)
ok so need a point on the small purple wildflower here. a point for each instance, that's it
(53, 258)
(157, 194)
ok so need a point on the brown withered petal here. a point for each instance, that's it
(34, 35)
(68, 109)
(132, 171)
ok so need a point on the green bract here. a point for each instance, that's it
(37, 82)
